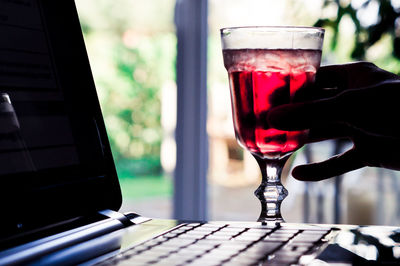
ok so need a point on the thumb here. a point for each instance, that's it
(334, 166)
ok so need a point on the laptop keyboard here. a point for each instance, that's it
(223, 244)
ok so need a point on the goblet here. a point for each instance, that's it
(268, 67)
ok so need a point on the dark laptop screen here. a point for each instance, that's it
(36, 130)
(55, 160)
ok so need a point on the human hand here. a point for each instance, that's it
(358, 101)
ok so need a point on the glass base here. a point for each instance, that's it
(271, 196)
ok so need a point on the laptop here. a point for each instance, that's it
(60, 194)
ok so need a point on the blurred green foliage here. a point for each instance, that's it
(132, 50)
(376, 27)
(143, 187)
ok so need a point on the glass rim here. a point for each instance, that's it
(275, 28)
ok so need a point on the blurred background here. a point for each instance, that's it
(132, 47)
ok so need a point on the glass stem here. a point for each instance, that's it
(271, 192)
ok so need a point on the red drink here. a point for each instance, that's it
(259, 80)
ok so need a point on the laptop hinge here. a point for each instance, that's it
(117, 216)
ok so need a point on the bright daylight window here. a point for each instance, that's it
(132, 49)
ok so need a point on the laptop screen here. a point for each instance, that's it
(55, 160)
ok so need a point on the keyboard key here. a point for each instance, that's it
(184, 255)
(251, 225)
(241, 261)
(152, 253)
(274, 238)
(307, 238)
(311, 232)
(153, 242)
(225, 233)
(212, 226)
(308, 228)
(162, 263)
(284, 259)
(169, 235)
(198, 233)
(279, 262)
(232, 229)
(246, 258)
(178, 242)
(139, 259)
(287, 253)
(217, 258)
(259, 231)
(192, 251)
(264, 247)
(179, 230)
(282, 233)
(247, 237)
(163, 248)
(295, 248)
(219, 237)
(199, 247)
(190, 236)
(200, 230)
(242, 242)
(186, 227)
(175, 259)
(137, 249)
(203, 262)
(237, 247)
(284, 230)
(130, 263)
(193, 224)
(223, 253)
(208, 242)
(251, 233)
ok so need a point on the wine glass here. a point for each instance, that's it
(267, 67)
